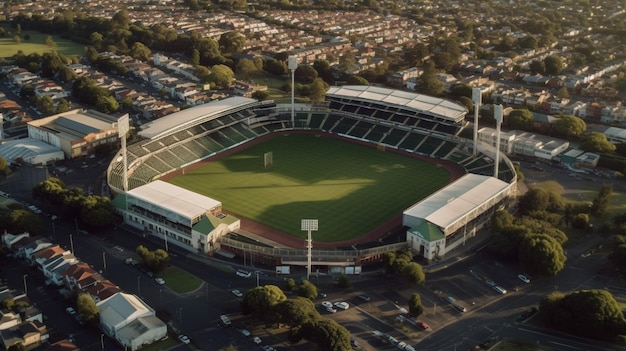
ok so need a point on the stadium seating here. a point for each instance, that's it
(429, 145)
(316, 120)
(344, 125)
(394, 137)
(377, 132)
(330, 122)
(445, 149)
(412, 141)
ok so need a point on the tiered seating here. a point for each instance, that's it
(233, 135)
(136, 182)
(210, 144)
(153, 146)
(445, 149)
(377, 133)
(360, 129)
(156, 163)
(245, 131)
(276, 126)
(394, 137)
(506, 174)
(197, 147)
(260, 130)
(344, 125)
(477, 162)
(144, 172)
(382, 114)
(398, 118)
(227, 119)
(168, 140)
(426, 124)
(185, 153)
(196, 130)
(484, 170)
(457, 156)
(302, 117)
(334, 105)
(136, 149)
(182, 135)
(350, 108)
(411, 141)
(366, 111)
(330, 122)
(447, 129)
(211, 125)
(412, 122)
(222, 139)
(316, 120)
(429, 145)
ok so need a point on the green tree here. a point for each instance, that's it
(305, 74)
(322, 67)
(97, 212)
(520, 119)
(537, 67)
(541, 254)
(62, 106)
(96, 39)
(194, 58)
(260, 95)
(570, 127)
(428, 83)
(580, 221)
(86, 307)
(107, 104)
(307, 290)
(540, 199)
(221, 75)
(246, 68)
(327, 334)
(140, 52)
(554, 65)
(275, 67)
(49, 42)
(343, 281)
(262, 299)
(415, 305)
(317, 90)
(618, 256)
(295, 312)
(20, 221)
(563, 93)
(587, 313)
(231, 43)
(414, 273)
(602, 200)
(4, 167)
(597, 142)
(45, 105)
(154, 260)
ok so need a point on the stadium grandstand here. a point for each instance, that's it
(389, 119)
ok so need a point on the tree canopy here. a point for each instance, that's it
(542, 254)
(570, 127)
(520, 119)
(597, 142)
(262, 299)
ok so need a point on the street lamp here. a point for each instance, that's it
(104, 261)
(257, 278)
(160, 298)
(25, 286)
(102, 341)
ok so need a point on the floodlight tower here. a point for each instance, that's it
(308, 225)
(292, 64)
(476, 98)
(497, 115)
(123, 126)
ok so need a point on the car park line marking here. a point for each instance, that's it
(564, 345)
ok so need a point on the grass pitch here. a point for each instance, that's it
(8, 47)
(349, 188)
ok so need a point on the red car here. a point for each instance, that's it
(423, 325)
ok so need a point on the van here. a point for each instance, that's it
(244, 274)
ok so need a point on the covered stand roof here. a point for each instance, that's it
(450, 204)
(442, 108)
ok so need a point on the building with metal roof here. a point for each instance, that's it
(454, 213)
(77, 132)
(175, 215)
(186, 118)
(31, 151)
(437, 108)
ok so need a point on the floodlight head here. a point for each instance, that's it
(292, 63)
(476, 96)
(497, 113)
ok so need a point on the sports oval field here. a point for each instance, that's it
(349, 188)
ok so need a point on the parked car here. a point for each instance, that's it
(257, 340)
(331, 310)
(159, 280)
(71, 311)
(237, 293)
(423, 325)
(499, 289)
(243, 274)
(364, 298)
(244, 331)
(327, 304)
(524, 278)
(184, 339)
(342, 305)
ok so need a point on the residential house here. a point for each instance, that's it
(34, 244)
(54, 268)
(30, 334)
(9, 240)
(130, 321)
(43, 255)
(102, 290)
(80, 276)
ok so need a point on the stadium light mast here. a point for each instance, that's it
(292, 64)
(477, 99)
(497, 115)
(123, 126)
(308, 225)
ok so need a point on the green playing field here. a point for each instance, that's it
(349, 188)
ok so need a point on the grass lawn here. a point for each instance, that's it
(180, 281)
(9, 48)
(349, 188)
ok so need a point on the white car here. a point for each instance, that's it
(71, 311)
(491, 283)
(499, 289)
(257, 340)
(245, 332)
(524, 278)
(327, 304)
(342, 305)
(184, 339)
(159, 280)
(244, 274)
(331, 310)
(237, 293)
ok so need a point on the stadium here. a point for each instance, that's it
(388, 121)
